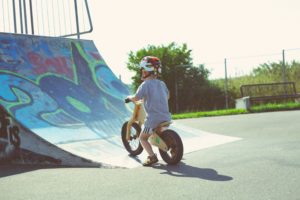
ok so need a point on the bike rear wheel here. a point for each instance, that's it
(175, 147)
(133, 146)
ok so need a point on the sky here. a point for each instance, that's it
(240, 30)
(245, 32)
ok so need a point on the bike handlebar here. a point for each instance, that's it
(127, 100)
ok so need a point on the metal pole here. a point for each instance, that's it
(25, 17)
(77, 20)
(15, 17)
(176, 96)
(90, 21)
(21, 15)
(176, 90)
(176, 86)
(89, 16)
(284, 70)
(31, 17)
(226, 87)
(283, 66)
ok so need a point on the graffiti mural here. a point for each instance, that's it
(58, 86)
(9, 136)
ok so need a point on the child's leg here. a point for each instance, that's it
(144, 141)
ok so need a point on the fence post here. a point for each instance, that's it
(176, 90)
(284, 70)
(226, 87)
(31, 17)
(283, 66)
(25, 16)
(77, 20)
(21, 15)
(15, 17)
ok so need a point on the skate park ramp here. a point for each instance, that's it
(68, 104)
(60, 90)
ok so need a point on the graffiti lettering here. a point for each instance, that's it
(43, 65)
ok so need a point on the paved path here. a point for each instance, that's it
(265, 164)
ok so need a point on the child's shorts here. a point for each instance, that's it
(147, 130)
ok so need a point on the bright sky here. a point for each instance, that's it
(212, 29)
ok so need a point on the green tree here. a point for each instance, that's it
(175, 60)
(189, 86)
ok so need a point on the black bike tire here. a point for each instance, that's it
(126, 144)
(179, 153)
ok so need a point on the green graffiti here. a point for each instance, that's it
(60, 112)
(78, 105)
(22, 99)
(92, 64)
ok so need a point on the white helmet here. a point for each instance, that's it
(151, 64)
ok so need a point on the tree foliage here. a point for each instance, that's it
(189, 87)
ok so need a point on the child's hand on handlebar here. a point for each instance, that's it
(129, 99)
(133, 99)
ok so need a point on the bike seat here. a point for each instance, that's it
(163, 124)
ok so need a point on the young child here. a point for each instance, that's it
(155, 94)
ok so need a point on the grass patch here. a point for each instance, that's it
(275, 107)
(254, 109)
(209, 113)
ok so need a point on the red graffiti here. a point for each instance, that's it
(55, 64)
(96, 56)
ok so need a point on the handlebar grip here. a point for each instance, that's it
(127, 100)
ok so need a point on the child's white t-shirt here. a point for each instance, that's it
(155, 94)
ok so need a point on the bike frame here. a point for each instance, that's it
(138, 116)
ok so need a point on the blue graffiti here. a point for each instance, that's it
(50, 99)
(28, 99)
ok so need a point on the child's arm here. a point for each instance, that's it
(139, 95)
(133, 98)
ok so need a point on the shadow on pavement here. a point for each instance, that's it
(184, 170)
(14, 169)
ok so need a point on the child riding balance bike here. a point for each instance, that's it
(152, 111)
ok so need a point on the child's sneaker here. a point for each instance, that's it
(150, 160)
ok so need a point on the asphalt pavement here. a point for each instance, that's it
(264, 164)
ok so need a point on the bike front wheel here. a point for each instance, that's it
(133, 146)
(175, 147)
